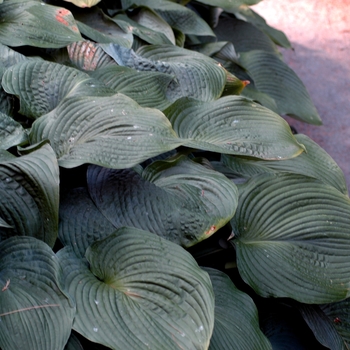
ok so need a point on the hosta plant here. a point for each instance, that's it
(152, 195)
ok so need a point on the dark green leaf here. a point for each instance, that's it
(273, 77)
(140, 291)
(236, 323)
(35, 311)
(37, 24)
(11, 132)
(177, 199)
(29, 187)
(233, 125)
(292, 238)
(315, 162)
(112, 131)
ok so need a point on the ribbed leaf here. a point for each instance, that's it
(97, 26)
(88, 56)
(177, 199)
(145, 33)
(273, 77)
(150, 19)
(323, 328)
(148, 89)
(233, 125)
(29, 187)
(140, 291)
(73, 343)
(112, 131)
(178, 16)
(41, 85)
(35, 312)
(11, 132)
(35, 23)
(236, 323)
(315, 162)
(9, 57)
(81, 223)
(292, 238)
(338, 314)
(197, 75)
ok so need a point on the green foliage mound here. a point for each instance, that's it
(151, 194)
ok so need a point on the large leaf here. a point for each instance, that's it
(292, 238)
(233, 125)
(178, 16)
(197, 75)
(11, 132)
(236, 323)
(140, 291)
(148, 89)
(315, 162)
(41, 85)
(29, 187)
(112, 131)
(35, 312)
(273, 77)
(177, 199)
(37, 24)
(9, 57)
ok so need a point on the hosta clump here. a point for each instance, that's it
(139, 139)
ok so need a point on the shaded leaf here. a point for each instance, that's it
(236, 324)
(292, 237)
(177, 199)
(41, 85)
(11, 132)
(322, 327)
(148, 89)
(29, 187)
(112, 131)
(81, 222)
(33, 304)
(37, 24)
(192, 70)
(9, 57)
(138, 291)
(273, 77)
(233, 125)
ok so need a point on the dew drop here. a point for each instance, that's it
(95, 329)
(129, 137)
(96, 302)
(7, 179)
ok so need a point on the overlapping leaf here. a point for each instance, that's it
(11, 132)
(41, 85)
(273, 77)
(37, 24)
(112, 131)
(236, 323)
(178, 199)
(233, 125)
(178, 16)
(35, 312)
(315, 162)
(140, 291)
(29, 187)
(197, 75)
(292, 238)
(148, 89)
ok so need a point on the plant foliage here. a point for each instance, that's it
(152, 194)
